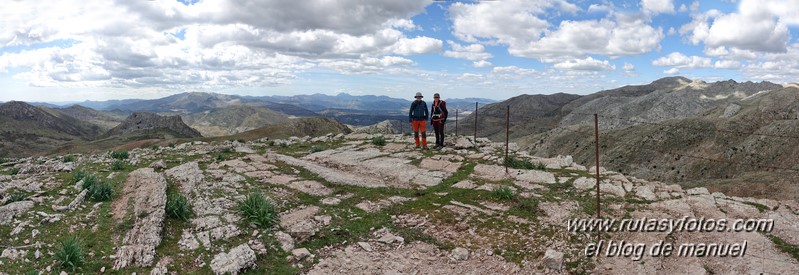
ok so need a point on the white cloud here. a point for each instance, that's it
(481, 64)
(471, 52)
(672, 71)
(418, 45)
(587, 64)
(760, 26)
(727, 64)
(628, 67)
(683, 8)
(598, 8)
(680, 60)
(657, 6)
(209, 44)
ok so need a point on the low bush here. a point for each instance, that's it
(502, 193)
(118, 165)
(379, 141)
(258, 210)
(70, 253)
(69, 158)
(120, 155)
(101, 191)
(178, 207)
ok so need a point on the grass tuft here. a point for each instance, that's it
(118, 165)
(258, 210)
(16, 196)
(69, 158)
(120, 154)
(70, 253)
(89, 181)
(178, 207)
(502, 193)
(517, 163)
(317, 148)
(101, 191)
(379, 141)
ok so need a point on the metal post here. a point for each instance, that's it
(456, 122)
(596, 143)
(507, 138)
(475, 123)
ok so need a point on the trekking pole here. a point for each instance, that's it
(596, 143)
(456, 122)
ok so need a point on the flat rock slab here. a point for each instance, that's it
(233, 262)
(310, 187)
(331, 175)
(188, 176)
(415, 258)
(146, 190)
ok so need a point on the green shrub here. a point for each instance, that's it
(154, 147)
(101, 191)
(120, 155)
(70, 253)
(502, 193)
(227, 151)
(317, 148)
(16, 196)
(220, 157)
(118, 165)
(258, 210)
(69, 158)
(178, 207)
(241, 140)
(78, 175)
(88, 181)
(379, 141)
(516, 163)
(13, 171)
(271, 143)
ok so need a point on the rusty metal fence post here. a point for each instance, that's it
(507, 138)
(475, 123)
(596, 143)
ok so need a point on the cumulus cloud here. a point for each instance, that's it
(481, 64)
(519, 25)
(760, 26)
(587, 64)
(672, 71)
(207, 44)
(470, 52)
(657, 6)
(628, 67)
(680, 60)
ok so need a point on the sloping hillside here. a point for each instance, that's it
(150, 122)
(233, 120)
(25, 129)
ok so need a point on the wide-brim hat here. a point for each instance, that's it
(418, 94)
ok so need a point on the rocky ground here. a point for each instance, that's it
(350, 205)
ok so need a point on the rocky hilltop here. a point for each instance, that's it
(150, 122)
(361, 204)
(27, 130)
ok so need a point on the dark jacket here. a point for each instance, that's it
(438, 113)
(418, 111)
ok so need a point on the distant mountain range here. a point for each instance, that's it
(725, 135)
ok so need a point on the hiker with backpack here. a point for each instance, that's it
(418, 119)
(438, 117)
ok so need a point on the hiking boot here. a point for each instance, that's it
(417, 146)
(425, 148)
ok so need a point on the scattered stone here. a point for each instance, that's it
(285, 240)
(645, 192)
(331, 201)
(158, 165)
(465, 184)
(366, 246)
(77, 201)
(239, 258)
(8, 211)
(553, 259)
(460, 254)
(698, 191)
(12, 254)
(387, 238)
(300, 254)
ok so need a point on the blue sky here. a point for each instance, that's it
(76, 50)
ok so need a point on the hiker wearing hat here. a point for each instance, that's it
(418, 119)
(438, 116)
